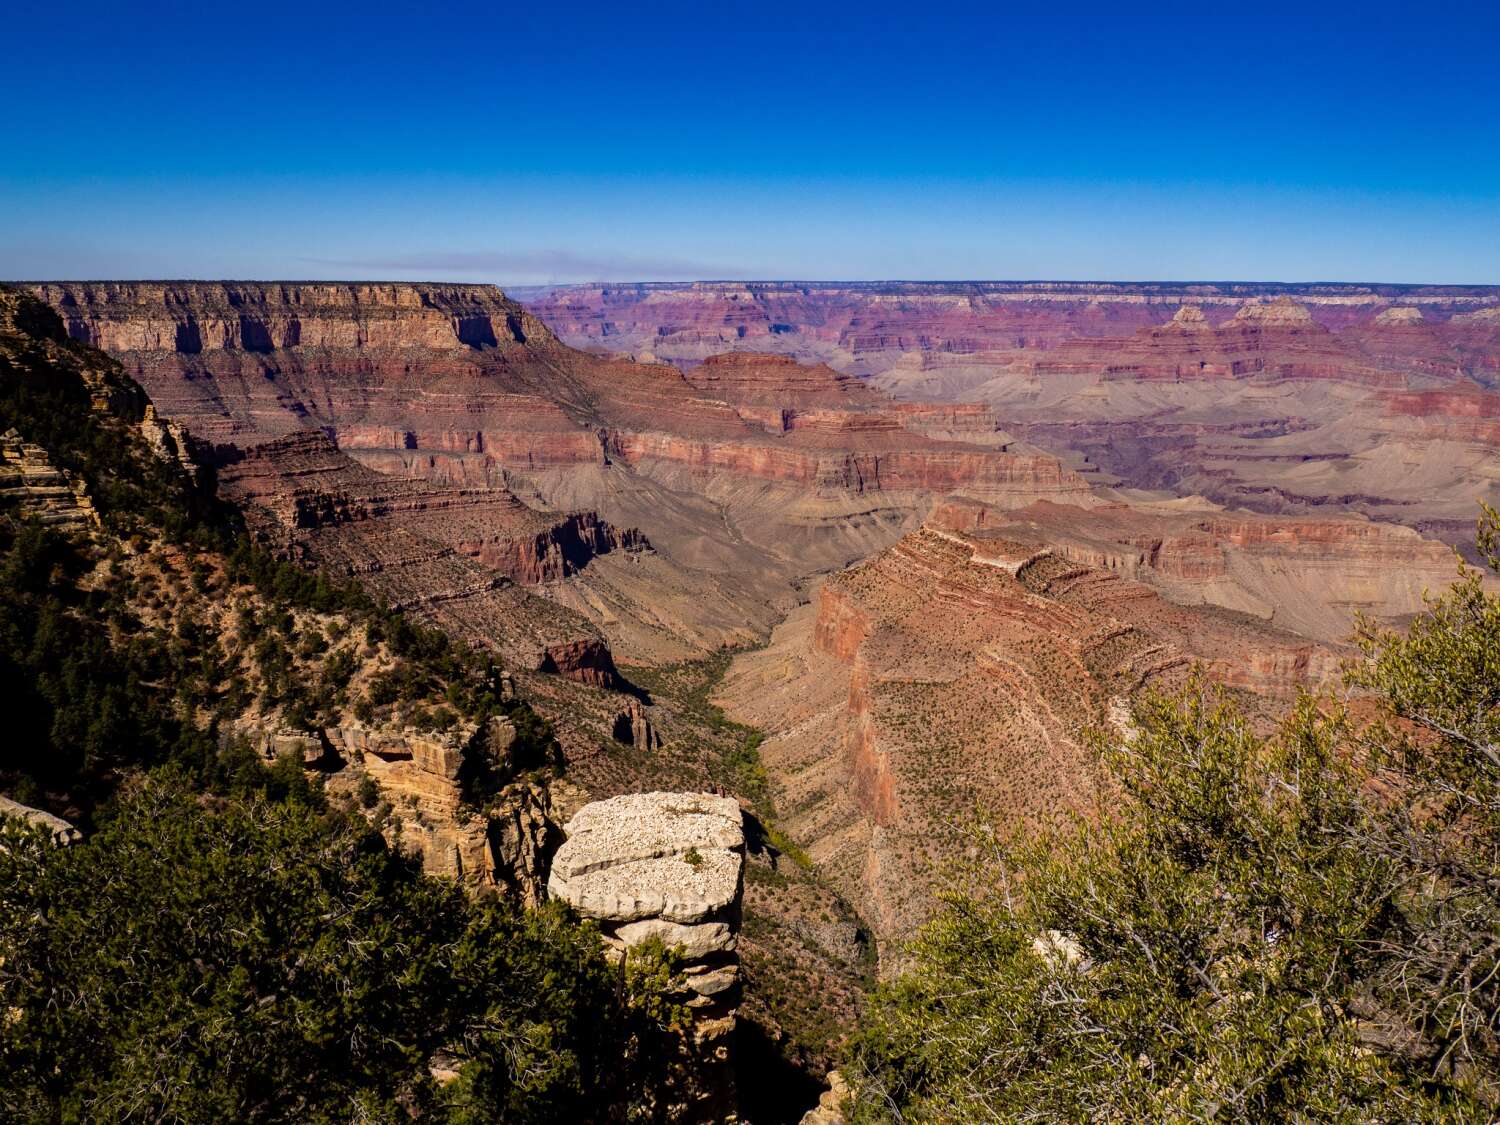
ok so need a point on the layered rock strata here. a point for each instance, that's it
(746, 477)
(30, 484)
(1369, 398)
(463, 372)
(1310, 575)
(454, 556)
(959, 675)
(419, 774)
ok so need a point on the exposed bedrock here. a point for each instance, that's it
(961, 671)
(418, 773)
(745, 477)
(36, 489)
(311, 485)
(1307, 574)
(58, 830)
(1285, 398)
(195, 317)
(457, 557)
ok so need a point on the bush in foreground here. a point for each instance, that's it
(262, 957)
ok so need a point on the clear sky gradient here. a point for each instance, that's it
(538, 142)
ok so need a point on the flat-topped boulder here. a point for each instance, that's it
(674, 856)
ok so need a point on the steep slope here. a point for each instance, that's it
(961, 671)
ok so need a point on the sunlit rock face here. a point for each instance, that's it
(1377, 399)
(682, 512)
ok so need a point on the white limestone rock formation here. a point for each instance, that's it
(59, 829)
(668, 866)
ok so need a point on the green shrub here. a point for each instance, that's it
(1301, 927)
(262, 958)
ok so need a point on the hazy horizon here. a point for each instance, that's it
(1251, 283)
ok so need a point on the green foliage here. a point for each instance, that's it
(83, 706)
(1302, 927)
(1438, 991)
(263, 958)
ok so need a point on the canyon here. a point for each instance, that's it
(1377, 399)
(920, 543)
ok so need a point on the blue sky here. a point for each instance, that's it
(528, 143)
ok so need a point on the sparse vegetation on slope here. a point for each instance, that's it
(261, 956)
(1304, 927)
(150, 640)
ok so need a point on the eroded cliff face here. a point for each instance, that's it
(196, 317)
(744, 477)
(464, 371)
(1372, 399)
(32, 487)
(960, 672)
(1309, 575)
(454, 556)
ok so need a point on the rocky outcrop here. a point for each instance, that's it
(420, 774)
(1307, 574)
(830, 1107)
(58, 830)
(524, 834)
(33, 488)
(311, 486)
(668, 867)
(1282, 312)
(633, 727)
(456, 556)
(421, 800)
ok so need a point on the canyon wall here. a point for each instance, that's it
(956, 678)
(743, 479)
(1377, 399)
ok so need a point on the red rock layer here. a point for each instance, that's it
(1361, 398)
(685, 322)
(959, 673)
(1307, 574)
(449, 554)
(461, 371)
